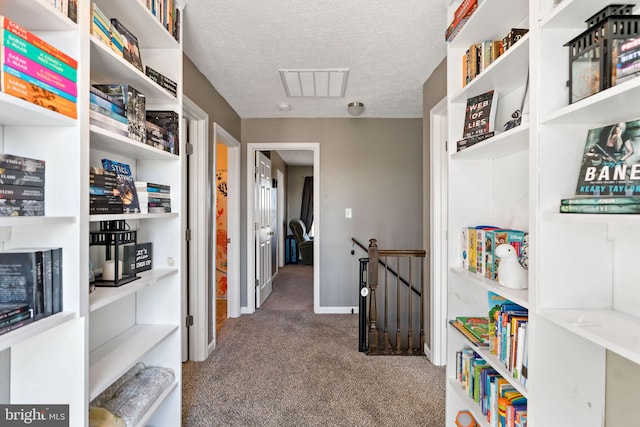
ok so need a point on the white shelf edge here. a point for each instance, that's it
(103, 296)
(106, 140)
(572, 14)
(602, 108)
(518, 296)
(35, 328)
(503, 144)
(495, 363)
(111, 360)
(580, 218)
(18, 221)
(490, 11)
(97, 218)
(156, 404)
(18, 112)
(470, 404)
(125, 70)
(36, 15)
(613, 330)
(506, 63)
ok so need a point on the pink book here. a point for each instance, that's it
(35, 70)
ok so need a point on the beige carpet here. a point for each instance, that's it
(282, 367)
(292, 289)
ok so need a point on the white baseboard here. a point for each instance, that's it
(336, 310)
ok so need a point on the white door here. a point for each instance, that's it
(263, 228)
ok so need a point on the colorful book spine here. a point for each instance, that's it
(113, 100)
(602, 209)
(601, 201)
(108, 113)
(96, 116)
(34, 81)
(32, 52)
(20, 163)
(106, 105)
(37, 95)
(21, 192)
(8, 24)
(16, 177)
(33, 69)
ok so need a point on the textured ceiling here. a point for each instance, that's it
(390, 48)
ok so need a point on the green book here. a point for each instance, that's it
(602, 209)
(621, 200)
(36, 54)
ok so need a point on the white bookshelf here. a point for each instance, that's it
(139, 321)
(583, 298)
(98, 336)
(488, 183)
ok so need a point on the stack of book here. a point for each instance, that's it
(103, 192)
(67, 7)
(478, 245)
(162, 80)
(508, 335)
(168, 15)
(164, 130)
(134, 103)
(35, 71)
(475, 329)
(21, 186)
(32, 277)
(115, 35)
(153, 198)
(108, 112)
(460, 18)
(13, 316)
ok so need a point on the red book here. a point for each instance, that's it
(36, 41)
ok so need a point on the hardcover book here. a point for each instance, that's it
(480, 114)
(611, 162)
(131, 49)
(21, 280)
(126, 185)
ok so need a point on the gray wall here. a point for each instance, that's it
(199, 90)
(373, 166)
(433, 90)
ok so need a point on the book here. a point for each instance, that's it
(109, 113)
(12, 207)
(36, 82)
(460, 17)
(610, 165)
(16, 29)
(512, 37)
(625, 55)
(38, 96)
(169, 121)
(459, 326)
(162, 80)
(131, 49)
(107, 106)
(34, 69)
(16, 177)
(21, 192)
(111, 99)
(126, 185)
(34, 53)
(21, 279)
(14, 326)
(112, 123)
(10, 310)
(586, 200)
(480, 114)
(135, 104)
(20, 163)
(602, 209)
(478, 326)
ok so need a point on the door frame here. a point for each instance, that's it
(282, 227)
(439, 231)
(233, 218)
(250, 244)
(198, 254)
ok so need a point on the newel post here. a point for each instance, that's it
(372, 281)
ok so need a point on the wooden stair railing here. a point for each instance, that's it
(374, 335)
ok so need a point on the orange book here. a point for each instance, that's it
(36, 41)
(36, 95)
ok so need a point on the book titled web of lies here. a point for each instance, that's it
(611, 161)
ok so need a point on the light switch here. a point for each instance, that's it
(347, 213)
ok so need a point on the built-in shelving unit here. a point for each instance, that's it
(583, 298)
(488, 183)
(99, 335)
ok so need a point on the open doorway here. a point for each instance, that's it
(255, 228)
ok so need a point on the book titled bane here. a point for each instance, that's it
(611, 161)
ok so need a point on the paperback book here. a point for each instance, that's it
(126, 188)
(480, 114)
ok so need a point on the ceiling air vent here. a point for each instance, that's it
(328, 82)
